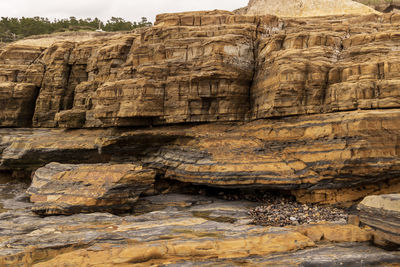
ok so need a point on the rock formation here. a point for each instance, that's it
(383, 214)
(67, 189)
(383, 5)
(304, 106)
(317, 87)
(305, 8)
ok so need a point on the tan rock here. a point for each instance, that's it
(383, 5)
(209, 66)
(175, 229)
(68, 189)
(305, 8)
(328, 158)
(383, 214)
(17, 102)
(335, 233)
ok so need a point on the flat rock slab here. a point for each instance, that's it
(321, 158)
(169, 229)
(342, 254)
(383, 214)
(67, 188)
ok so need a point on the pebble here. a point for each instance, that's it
(280, 210)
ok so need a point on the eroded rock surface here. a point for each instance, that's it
(309, 106)
(204, 67)
(383, 214)
(330, 158)
(383, 5)
(305, 8)
(166, 229)
(68, 189)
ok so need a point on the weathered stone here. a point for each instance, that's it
(68, 189)
(71, 118)
(173, 229)
(209, 66)
(18, 104)
(383, 214)
(17, 97)
(301, 8)
(329, 158)
(321, 66)
(383, 5)
(342, 254)
(305, 105)
(30, 149)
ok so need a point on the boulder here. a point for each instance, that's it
(382, 213)
(67, 189)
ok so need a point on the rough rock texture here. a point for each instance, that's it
(170, 229)
(189, 68)
(68, 189)
(383, 214)
(329, 65)
(204, 67)
(304, 8)
(383, 5)
(333, 158)
(309, 106)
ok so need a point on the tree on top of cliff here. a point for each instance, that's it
(12, 29)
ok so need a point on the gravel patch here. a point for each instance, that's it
(280, 211)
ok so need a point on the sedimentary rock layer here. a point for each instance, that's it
(383, 5)
(204, 67)
(173, 229)
(383, 214)
(305, 8)
(340, 157)
(67, 189)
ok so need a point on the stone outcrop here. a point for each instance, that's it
(383, 214)
(204, 67)
(215, 99)
(67, 189)
(335, 158)
(317, 88)
(383, 5)
(304, 8)
(174, 229)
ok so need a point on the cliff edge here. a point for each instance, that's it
(305, 8)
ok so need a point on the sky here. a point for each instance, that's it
(132, 10)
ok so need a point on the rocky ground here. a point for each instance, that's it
(278, 210)
(175, 230)
(162, 146)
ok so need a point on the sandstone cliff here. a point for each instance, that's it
(305, 8)
(306, 106)
(218, 67)
(383, 5)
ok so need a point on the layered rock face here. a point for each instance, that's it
(383, 214)
(305, 8)
(309, 107)
(218, 66)
(188, 68)
(67, 189)
(383, 5)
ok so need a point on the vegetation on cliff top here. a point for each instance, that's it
(12, 29)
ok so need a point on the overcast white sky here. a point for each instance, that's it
(131, 10)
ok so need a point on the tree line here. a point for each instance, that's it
(12, 29)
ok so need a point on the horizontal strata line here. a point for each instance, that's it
(383, 230)
(309, 164)
(303, 118)
(241, 175)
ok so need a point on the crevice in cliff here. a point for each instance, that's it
(67, 98)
